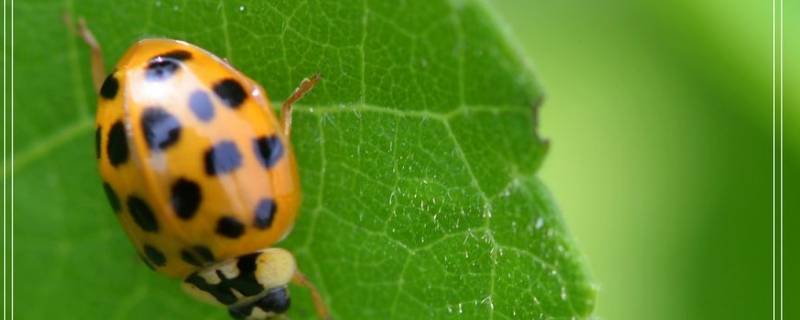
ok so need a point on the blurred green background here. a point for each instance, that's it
(659, 114)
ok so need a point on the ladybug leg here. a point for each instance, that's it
(322, 310)
(98, 67)
(286, 108)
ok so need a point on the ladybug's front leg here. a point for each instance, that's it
(286, 108)
(98, 66)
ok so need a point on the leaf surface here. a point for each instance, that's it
(418, 155)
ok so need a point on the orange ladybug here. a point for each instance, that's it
(200, 173)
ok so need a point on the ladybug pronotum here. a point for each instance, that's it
(200, 173)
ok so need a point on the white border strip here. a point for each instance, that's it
(781, 159)
(5, 160)
(12, 160)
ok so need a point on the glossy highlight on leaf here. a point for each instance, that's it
(418, 156)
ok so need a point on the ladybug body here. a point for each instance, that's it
(200, 173)
(195, 156)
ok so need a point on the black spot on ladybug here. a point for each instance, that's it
(230, 227)
(154, 255)
(201, 105)
(222, 158)
(187, 257)
(161, 68)
(112, 197)
(97, 135)
(117, 145)
(204, 253)
(146, 262)
(181, 55)
(197, 256)
(230, 92)
(268, 150)
(110, 87)
(185, 198)
(142, 214)
(160, 128)
(265, 213)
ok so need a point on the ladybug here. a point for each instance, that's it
(200, 173)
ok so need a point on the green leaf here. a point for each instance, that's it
(418, 155)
